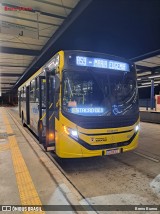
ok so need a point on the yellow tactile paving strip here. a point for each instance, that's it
(27, 191)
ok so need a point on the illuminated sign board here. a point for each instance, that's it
(84, 111)
(101, 63)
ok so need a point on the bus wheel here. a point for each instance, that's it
(22, 118)
(45, 147)
(40, 133)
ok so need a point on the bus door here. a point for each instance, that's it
(27, 106)
(42, 98)
(50, 109)
(42, 109)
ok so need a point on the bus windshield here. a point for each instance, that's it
(99, 93)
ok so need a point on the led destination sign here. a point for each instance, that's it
(101, 63)
(87, 111)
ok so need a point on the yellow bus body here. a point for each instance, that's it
(90, 142)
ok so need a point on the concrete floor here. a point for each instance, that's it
(131, 178)
(124, 179)
(52, 190)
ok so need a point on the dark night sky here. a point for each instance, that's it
(126, 28)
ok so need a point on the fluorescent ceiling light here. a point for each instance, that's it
(145, 86)
(146, 83)
(144, 73)
(154, 76)
(139, 79)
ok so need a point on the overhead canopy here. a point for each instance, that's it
(148, 68)
(124, 28)
(25, 29)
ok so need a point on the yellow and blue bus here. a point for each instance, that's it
(83, 104)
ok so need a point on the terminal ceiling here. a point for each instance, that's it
(119, 27)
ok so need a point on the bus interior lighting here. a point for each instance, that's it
(51, 136)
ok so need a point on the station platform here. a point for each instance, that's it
(150, 115)
(29, 177)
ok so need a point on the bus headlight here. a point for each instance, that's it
(72, 132)
(137, 127)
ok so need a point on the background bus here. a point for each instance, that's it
(84, 104)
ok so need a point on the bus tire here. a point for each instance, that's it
(20, 114)
(45, 147)
(22, 118)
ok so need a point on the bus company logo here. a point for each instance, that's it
(97, 140)
(6, 8)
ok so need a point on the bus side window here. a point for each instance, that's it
(32, 91)
(21, 95)
(57, 88)
(37, 90)
(24, 94)
(43, 88)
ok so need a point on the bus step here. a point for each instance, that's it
(51, 144)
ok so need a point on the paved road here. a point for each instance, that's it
(129, 178)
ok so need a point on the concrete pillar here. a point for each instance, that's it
(152, 94)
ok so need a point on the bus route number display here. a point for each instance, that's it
(101, 63)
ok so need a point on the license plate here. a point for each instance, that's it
(112, 152)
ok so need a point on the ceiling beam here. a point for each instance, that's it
(144, 68)
(25, 19)
(157, 68)
(25, 43)
(80, 7)
(145, 56)
(5, 88)
(7, 83)
(19, 51)
(54, 4)
(13, 66)
(10, 75)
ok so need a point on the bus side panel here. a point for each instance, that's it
(34, 116)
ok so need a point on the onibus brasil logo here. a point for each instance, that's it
(7, 8)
